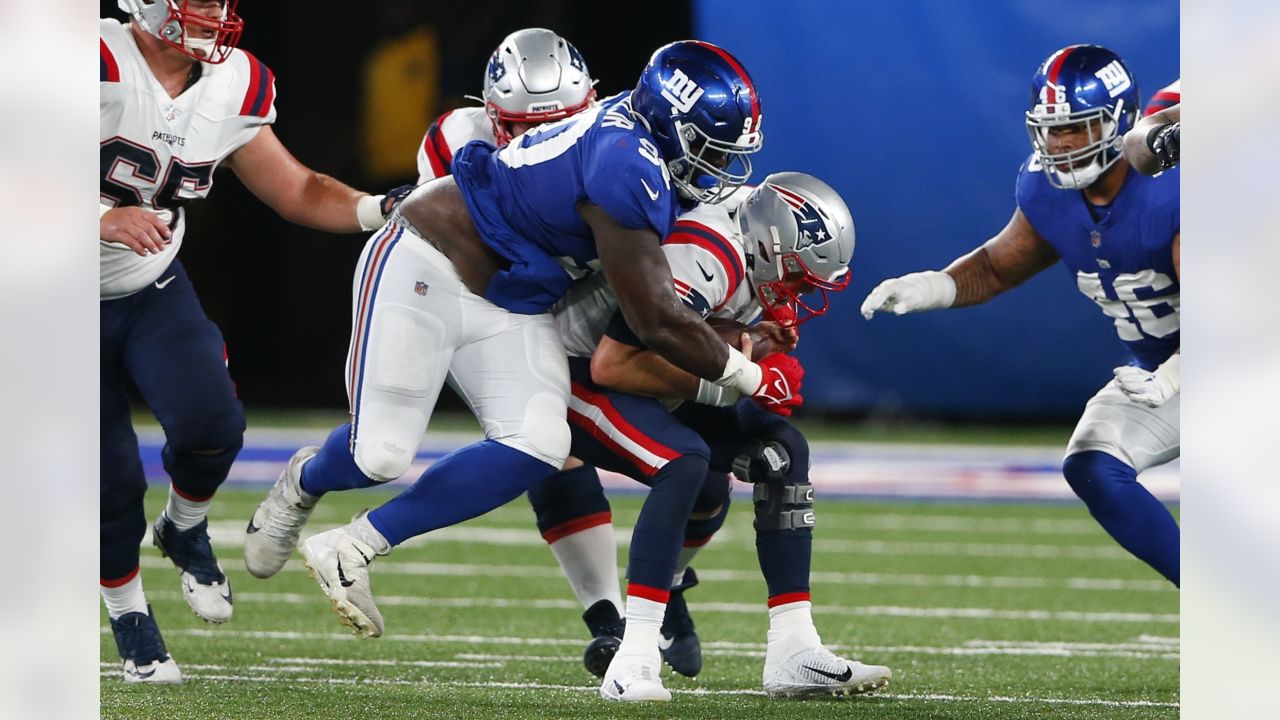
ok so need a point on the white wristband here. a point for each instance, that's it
(941, 289)
(369, 212)
(712, 394)
(740, 373)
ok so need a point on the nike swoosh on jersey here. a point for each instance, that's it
(705, 275)
(653, 194)
(160, 284)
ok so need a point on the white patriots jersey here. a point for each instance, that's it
(708, 266)
(159, 152)
(449, 132)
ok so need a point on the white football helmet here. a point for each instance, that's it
(535, 76)
(203, 37)
(799, 238)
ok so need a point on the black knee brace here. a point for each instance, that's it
(781, 502)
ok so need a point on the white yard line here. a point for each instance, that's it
(393, 567)
(223, 677)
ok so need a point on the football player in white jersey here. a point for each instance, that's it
(792, 236)
(178, 100)
(1153, 145)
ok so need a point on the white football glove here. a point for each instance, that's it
(1151, 388)
(915, 292)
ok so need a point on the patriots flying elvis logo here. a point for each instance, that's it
(496, 68)
(813, 228)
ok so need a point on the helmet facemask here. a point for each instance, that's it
(1079, 168)
(205, 38)
(711, 170)
(783, 299)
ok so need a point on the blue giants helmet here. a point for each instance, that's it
(702, 109)
(1086, 84)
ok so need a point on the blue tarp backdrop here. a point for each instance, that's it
(914, 111)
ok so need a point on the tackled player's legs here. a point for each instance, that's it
(1115, 440)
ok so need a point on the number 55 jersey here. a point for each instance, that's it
(158, 152)
(1121, 255)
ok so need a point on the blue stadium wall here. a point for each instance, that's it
(913, 111)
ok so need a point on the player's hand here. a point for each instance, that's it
(373, 211)
(1151, 387)
(915, 292)
(393, 198)
(784, 338)
(779, 390)
(1163, 142)
(142, 231)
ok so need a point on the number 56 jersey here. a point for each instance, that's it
(1121, 255)
(159, 152)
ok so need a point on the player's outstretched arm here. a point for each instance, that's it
(1153, 144)
(302, 195)
(1005, 261)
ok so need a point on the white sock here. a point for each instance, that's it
(589, 560)
(644, 625)
(686, 559)
(125, 598)
(792, 623)
(185, 513)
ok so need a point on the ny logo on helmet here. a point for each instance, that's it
(680, 91)
(813, 229)
(1114, 77)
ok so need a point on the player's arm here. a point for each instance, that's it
(1153, 144)
(304, 196)
(636, 370)
(1004, 262)
(142, 231)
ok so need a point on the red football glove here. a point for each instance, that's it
(779, 390)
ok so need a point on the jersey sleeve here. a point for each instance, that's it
(258, 104)
(1166, 98)
(108, 68)
(618, 176)
(435, 157)
(705, 266)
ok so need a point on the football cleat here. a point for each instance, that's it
(273, 531)
(142, 649)
(632, 678)
(679, 641)
(204, 586)
(339, 560)
(606, 628)
(815, 671)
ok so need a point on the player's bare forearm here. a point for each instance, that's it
(637, 270)
(1136, 150)
(635, 370)
(1004, 262)
(295, 191)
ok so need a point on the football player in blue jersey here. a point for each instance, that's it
(1117, 232)
(459, 285)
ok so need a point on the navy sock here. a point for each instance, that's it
(1132, 515)
(461, 485)
(334, 468)
(659, 531)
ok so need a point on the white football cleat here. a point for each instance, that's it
(204, 586)
(273, 531)
(142, 649)
(339, 560)
(632, 678)
(814, 671)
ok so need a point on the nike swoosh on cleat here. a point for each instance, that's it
(251, 529)
(617, 686)
(838, 677)
(343, 578)
(142, 675)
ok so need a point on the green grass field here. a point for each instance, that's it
(982, 610)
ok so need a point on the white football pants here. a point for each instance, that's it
(414, 323)
(1137, 435)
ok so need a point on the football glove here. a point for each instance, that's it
(915, 292)
(1151, 388)
(779, 390)
(373, 211)
(1163, 142)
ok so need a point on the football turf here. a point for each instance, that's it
(983, 610)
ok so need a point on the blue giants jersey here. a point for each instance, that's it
(1123, 260)
(523, 198)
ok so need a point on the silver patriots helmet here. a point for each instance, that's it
(535, 76)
